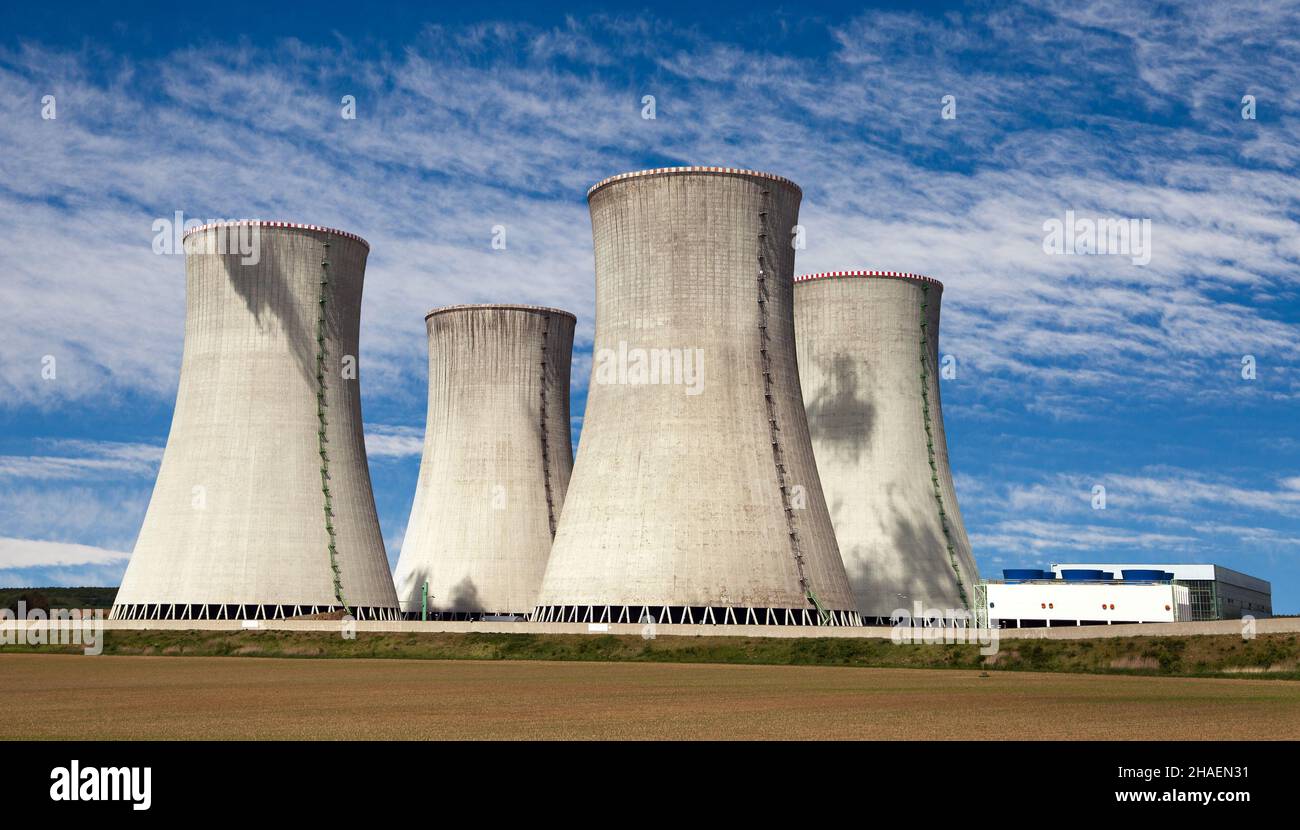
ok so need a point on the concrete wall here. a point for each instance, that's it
(1087, 632)
(676, 497)
(497, 459)
(237, 513)
(860, 359)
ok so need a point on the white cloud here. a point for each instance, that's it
(88, 459)
(390, 441)
(482, 125)
(107, 512)
(30, 553)
(1035, 537)
(1156, 492)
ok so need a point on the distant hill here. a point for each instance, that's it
(50, 598)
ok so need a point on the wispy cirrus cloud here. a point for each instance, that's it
(1158, 491)
(1160, 515)
(1039, 538)
(391, 441)
(18, 554)
(474, 127)
(107, 511)
(77, 460)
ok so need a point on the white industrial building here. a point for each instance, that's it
(1060, 602)
(1109, 593)
(1217, 593)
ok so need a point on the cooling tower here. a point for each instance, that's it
(263, 506)
(695, 497)
(868, 345)
(497, 460)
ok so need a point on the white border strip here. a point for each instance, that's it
(659, 171)
(539, 309)
(898, 275)
(261, 223)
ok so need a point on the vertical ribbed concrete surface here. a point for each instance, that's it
(692, 504)
(238, 515)
(862, 354)
(497, 460)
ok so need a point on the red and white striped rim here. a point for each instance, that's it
(725, 171)
(896, 275)
(537, 309)
(261, 223)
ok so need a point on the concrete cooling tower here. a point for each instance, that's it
(868, 344)
(263, 507)
(496, 465)
(695, 496)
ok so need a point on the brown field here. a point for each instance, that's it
(63, 696)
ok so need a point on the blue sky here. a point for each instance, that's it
(1073, 371)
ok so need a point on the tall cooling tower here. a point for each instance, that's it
(497, 460)
(263, 506)
(695, 497)
(868, 345)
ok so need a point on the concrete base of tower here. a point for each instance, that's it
(228, 611)
(694, 615)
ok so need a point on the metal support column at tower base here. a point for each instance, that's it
(981, 606)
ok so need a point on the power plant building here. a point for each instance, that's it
(868, 351)
(1027, 598)
(496, 463)
(1217, 593)
(695, 497)
(263, 506)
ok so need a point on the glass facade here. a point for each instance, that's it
(1205, 599)
(1215, 600)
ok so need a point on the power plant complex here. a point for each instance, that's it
(263, 507)
(868, 345)
(496, 463)
(756, 449)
